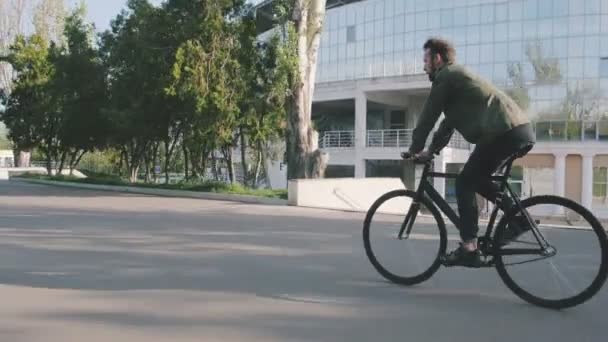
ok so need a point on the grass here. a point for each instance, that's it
(195, 186)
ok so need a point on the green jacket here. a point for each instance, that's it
(479, 111)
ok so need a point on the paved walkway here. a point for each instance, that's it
(90, 266)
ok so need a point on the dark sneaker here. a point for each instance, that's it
(516, 228)
(462, 257)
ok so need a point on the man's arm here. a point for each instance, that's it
(442, 137)
(433, 107)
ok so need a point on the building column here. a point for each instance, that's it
(587, 190)
(360, 133)
(439, 166)
(559, 177)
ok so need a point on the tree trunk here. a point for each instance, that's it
(230, 162)
(133, 171)
(75, 162)
(244, 158)
(186, 161)
(304, 159)
(214, 167)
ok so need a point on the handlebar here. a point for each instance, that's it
(418, 159)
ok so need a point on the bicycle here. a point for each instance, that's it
(426, 203)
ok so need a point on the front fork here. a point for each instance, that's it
(408, 223)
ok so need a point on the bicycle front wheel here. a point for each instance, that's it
(574, 264)
(410, 260)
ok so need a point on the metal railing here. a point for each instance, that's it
(337, 139)
(571, 130)
(381, 138)
(389, 138)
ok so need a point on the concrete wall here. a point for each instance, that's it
(346, 194)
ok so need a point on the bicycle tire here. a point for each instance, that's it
(563, 303)
(411, 280)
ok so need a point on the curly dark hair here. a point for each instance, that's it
(442, 47)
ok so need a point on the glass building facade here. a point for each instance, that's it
(555, 49)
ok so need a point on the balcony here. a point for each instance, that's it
(337, 139)
(386, 138)
(570, 131)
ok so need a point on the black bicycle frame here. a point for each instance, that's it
(425, 187)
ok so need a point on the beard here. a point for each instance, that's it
(432, 70)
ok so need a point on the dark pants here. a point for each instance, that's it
(475, 176)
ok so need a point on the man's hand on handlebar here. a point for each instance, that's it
(422, 157)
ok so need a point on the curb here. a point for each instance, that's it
(160, 192)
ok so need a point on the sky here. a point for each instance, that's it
(102, 11)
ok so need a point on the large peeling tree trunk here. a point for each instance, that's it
(304, 159)
(230, 162)
(186, 162)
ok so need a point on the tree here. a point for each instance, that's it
(49, 18)
(80, 87)
(546, 69)
(31, 111)
(137, 103)
(303, 23)
(518, 91)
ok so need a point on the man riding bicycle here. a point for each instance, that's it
(484, 116)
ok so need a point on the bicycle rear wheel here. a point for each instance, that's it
(574, 266)
(408, 261)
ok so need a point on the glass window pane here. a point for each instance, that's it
(560, 26)
(560, 47)
(575, 67)
(487, 33)
(517, 173)
(560, 8)
(399, 7)
(447, 18)
(460, 35)
(515, 51)
(576, 47)
(378, 28)
(545, 9)
(434, 20)
(545, 28)
(500, 73)
(592, 24)
(487, 53)
(379, 10)
(577, 25)
(592, 46)
(603, 67)
(473, 35)
(389, 24)
(473, 54)
(576, 8)
(399, 23)
(604, 45)
(604, 23)
(422, 21)
(500, 52)
(460, 16)
(486, 71)
(530, 29)
(487, 14)
(410, 23)
(473, 15)
(500, 34)
(599, 190)
(591, 68)
(604, 6)
(501, 12)
(592, 6)
(530, 9)
(515, 30)
(515, 10)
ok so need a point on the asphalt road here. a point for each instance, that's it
(94, 266)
